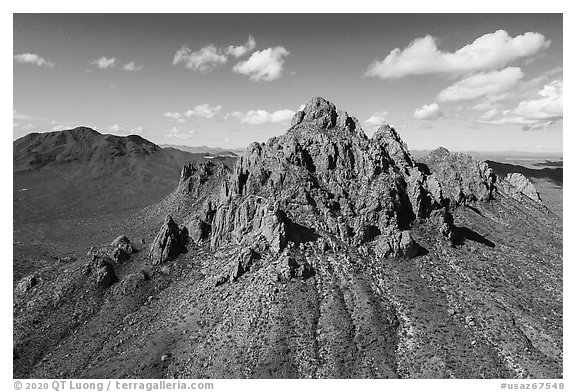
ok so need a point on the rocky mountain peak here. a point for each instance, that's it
(319, 112)
(325, 179)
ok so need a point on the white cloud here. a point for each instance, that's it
(241, 50)
(482, 106)
(115, 128)
(104, 62)
(377, 118)
(428, 112)
(488, 52)
(203, 60)
(255, 117)
(481, 84)
(204, 110)
(547, 108)
(34, 59)
(172, 115)
(132, 67)
(176, 133)
(264, 65)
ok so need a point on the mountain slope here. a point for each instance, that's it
(80, 172)
(323, 253)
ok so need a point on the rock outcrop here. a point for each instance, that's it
(101, 272)
(326, 178)
(170, 241)
(463, 179)
(27, 283)
(121, 249)
(521, 185)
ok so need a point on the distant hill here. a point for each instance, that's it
(80, 172)
(555, 174)
(206, 150)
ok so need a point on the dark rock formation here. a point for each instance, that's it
(170, 241)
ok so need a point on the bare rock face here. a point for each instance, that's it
(521, 185)
(170, 241)
(463, 179)
(186, 172)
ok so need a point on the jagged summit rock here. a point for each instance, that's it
(312, 182)
(322, 114)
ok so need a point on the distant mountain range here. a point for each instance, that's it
(81, 171)
(206, 150)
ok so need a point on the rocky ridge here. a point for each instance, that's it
(322, 253)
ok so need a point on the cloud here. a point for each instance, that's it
(132, 67)
(481, 84)
(377, 118)
(104, 62)
(547, 108)
(255, 117)
(538, 126)
(482, 106)
(203, 60)
(204, 110)
(428, 112)
(115, 128)
(488, 52)
(266, 65)
(174, 116)
(34, 59)
(176, 133)
(241, 50)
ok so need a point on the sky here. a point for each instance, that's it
(468, 82)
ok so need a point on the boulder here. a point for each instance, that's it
(122, 242)
(242, 263)
(521, 185)
(170, 241)
(101, 270)
(27, 283)
(198, 230)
